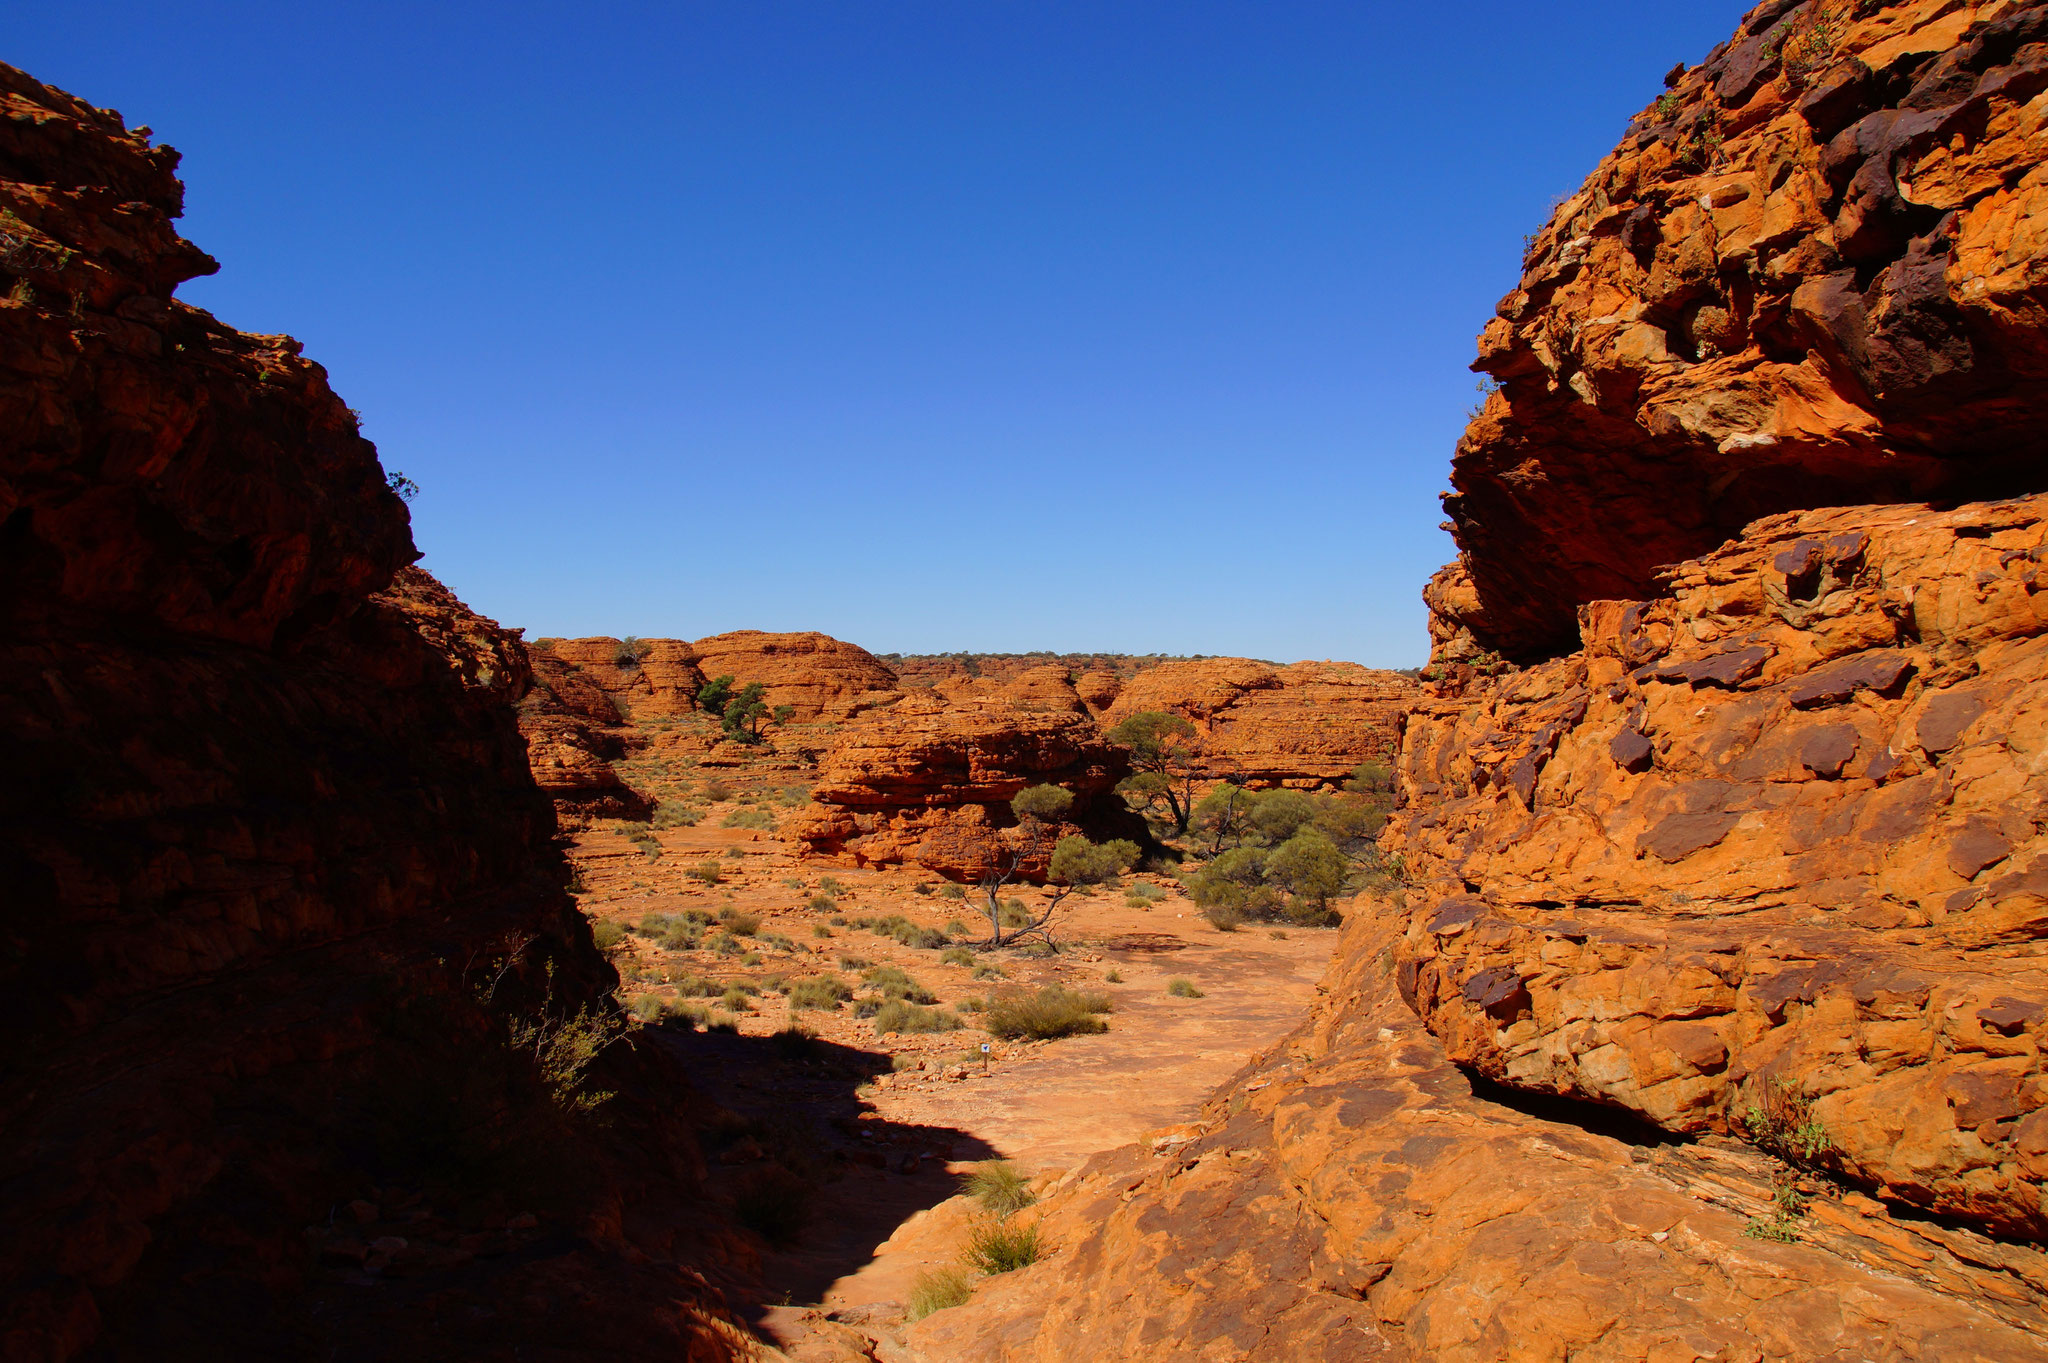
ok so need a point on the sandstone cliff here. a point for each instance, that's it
(929, 779)
(1305, 725)
(1813, 273)
(277, 880)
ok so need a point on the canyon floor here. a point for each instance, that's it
(880, 1129)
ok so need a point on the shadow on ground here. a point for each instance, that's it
(808, 1165)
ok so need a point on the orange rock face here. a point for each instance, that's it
(929, 780)
(265, 801)
(1787, 826)
(574, 731)
(821, 677)
(1814, 273)
(1306, 725)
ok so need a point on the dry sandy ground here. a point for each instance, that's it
(893, 1121)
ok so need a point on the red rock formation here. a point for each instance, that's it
(653, 678)
(928, 781)
(266, 813)
(1786, 826)
(574, 731)
(1304, 725)
(1759, 865)
(821, 677)
(1812, 274)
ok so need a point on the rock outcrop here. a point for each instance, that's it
(574, 731)
(1785, 828)
(821, 678)
(1305, 725)
(266, 817)
(1763, 861)
(1709, 1023)
(1814, 273)
(929, 780)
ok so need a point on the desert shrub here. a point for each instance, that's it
(607, 935)
(1053, 1011)
(725, 944)
(935, 1290)
(794, 795)
(1141, 895)
(1278, 815)
(792, 882)
(1182, 987)
(563, 1047)
(751, 958)
(699, 986)
(736, 1001)
(823, 992)
(1113, 977)
(748, 818)
(721, 1022)
(898, 1016)
(854, 963)
(830, 885)
(773, 1203)
(971, 1005)
(708, 872)
(670, 814)
(1310, 868)
(1000, 1187)
(1224, 917)
(820, 930)
(956, 956)
(891, 983)
(777, 941)
(904, 931)
(955, 928)
(986, 971)
(645, 1008)
(716, 791)
(819, 903)
(1002, 1245)
(949, 890)
(922, 887)
(794, 1042)
(680, 934)
(1013, 914)
(738, 923)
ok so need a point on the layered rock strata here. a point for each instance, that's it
(929, 780)
(267, 816)
(1814, 273)
(1787, 827)
(1305, 725)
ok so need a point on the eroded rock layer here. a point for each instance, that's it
(269, 849)
(929, 779)
(1307, 724)
(1814, 273)
(1783, 827)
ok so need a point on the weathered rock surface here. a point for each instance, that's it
(1305, 725)
(821, 677)
(1787, 826)
(265, 809)
(1815, 273)
(928, 780)
(574, 731)
(1348, 1197)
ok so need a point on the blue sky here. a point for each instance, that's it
(933, 324)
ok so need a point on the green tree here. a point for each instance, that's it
(1223, 815)
(712, 695)
(784, 714)
(1312, 871)
(1278, 814)
(1165, 754)
(743, 714)
(1075, 862)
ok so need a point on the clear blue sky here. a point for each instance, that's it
(933, 324)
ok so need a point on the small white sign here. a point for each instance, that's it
(986, 1048)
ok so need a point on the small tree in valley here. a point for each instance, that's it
(1075, 862)
(743, 714)
(1165, 752)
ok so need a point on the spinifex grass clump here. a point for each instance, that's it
(823, 992)
(1182, 987)
(1051, 1012)
(936, 1289)
(1003, 1245)
(898, 1016)
(1000, 1187)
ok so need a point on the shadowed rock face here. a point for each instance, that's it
(1813, 274)
(266, 810)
